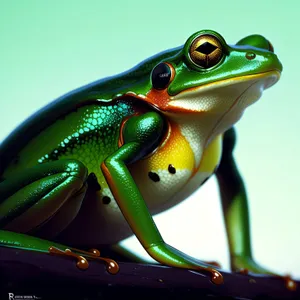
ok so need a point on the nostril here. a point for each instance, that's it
(250, 55)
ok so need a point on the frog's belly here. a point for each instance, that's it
(171, 175)
(164, 179)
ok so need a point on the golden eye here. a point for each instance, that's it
(206, 51)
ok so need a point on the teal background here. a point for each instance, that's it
(51, 47)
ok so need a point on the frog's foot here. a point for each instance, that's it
(245, 265)
(93, 254)
(30, 243)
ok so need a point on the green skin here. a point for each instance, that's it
(57, 182)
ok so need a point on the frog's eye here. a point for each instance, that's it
(161, 76)
(206, 51)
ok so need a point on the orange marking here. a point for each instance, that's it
(158, 98)
(121, 138)
(110, 182)
(172, 71)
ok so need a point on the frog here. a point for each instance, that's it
(95, 165)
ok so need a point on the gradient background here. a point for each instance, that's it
(51, 47)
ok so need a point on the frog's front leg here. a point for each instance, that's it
(141, 135)
(236, 213)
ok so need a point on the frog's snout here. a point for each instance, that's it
(257, 41)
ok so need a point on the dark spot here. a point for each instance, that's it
(153, 176)
(206, 48)
(106, 200)
(93, 182)
(171, 169)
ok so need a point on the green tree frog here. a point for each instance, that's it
(92, 167)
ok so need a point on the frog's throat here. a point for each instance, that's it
(220, 106)
(219, 96)
(222, 124)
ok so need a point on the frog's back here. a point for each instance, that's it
(101, 93)
(41, 121)
(88, 134)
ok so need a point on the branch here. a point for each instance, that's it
(54, 277)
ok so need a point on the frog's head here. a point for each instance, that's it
(210, 77)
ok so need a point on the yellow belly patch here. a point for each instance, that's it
(175, 151)
(211, 156)
(160, 176)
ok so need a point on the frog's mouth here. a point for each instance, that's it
(223, 95)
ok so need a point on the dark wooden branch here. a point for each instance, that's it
(54, 277)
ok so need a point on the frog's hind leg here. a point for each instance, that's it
(43, 200)
(41, 203)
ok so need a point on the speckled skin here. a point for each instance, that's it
(88, 134)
